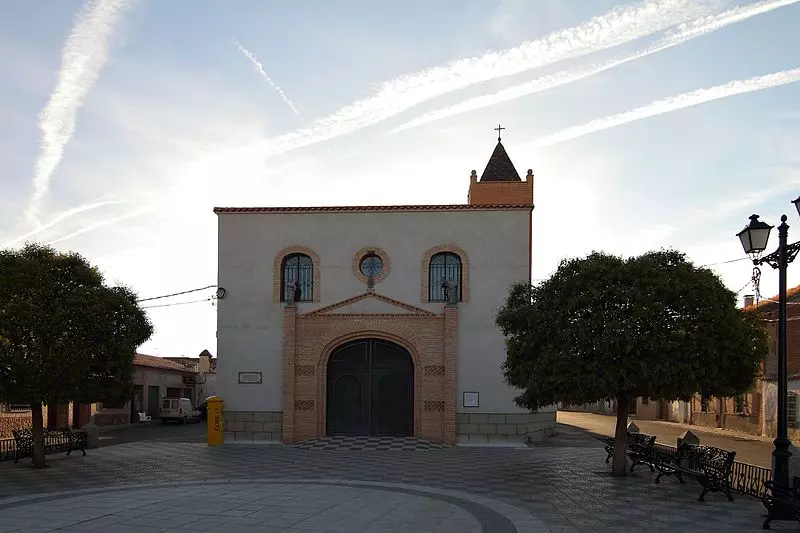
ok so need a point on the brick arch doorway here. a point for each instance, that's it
(370, 389)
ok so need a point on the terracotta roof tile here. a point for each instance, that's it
(159, 362)
(791, 294)
(500, 167)
(369, 208)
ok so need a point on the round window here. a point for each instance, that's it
(371, 265)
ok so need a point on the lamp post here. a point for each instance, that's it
(754, 239)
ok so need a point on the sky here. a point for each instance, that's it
(651, 124)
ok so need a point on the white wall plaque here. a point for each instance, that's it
(470, 399)
(250, 378)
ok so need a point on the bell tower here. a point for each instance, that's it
(500, 183)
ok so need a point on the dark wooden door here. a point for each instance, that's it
(370, 389)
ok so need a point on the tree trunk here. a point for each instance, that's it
(620, 437)
(38, 435)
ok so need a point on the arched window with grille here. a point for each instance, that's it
(444, 265)
(297, 269)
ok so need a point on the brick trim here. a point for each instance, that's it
(411, 310)
(310, 340)
(276, 271)
(426, 261)
(387, 264)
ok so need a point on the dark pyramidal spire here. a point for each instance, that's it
(500, 167)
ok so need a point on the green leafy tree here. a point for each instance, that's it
(605, 327)
(64, 334)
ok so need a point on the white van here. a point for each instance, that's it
(178, 409)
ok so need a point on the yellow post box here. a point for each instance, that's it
(216, 431)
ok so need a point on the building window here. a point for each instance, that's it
(738, 404)
(371, 265)
(297, 270)
(645, 400)
(791, 408)
(704, 398)
(444, 266)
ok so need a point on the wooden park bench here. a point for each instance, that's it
(639, 448)
(787, 499)
(710, 466)
(55, 440)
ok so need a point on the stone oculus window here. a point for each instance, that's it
(371, 262)
(371, 265)
(297, 274)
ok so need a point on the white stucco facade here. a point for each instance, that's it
(496, 242)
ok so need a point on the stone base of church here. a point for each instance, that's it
(248, 426)
(503, 428)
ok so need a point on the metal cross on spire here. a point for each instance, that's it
(499, 129)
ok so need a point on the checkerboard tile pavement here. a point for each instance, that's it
(568, 488)
(359, 443)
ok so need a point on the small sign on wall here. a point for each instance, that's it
(470, 399)
(250, 378)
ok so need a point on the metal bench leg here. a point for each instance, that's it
(728, 493)
(703, 495)
(765, 525)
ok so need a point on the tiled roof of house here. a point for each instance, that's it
(768, 304)
(500, 167)
(159, 362)
(368, 208)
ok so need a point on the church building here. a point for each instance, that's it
(375, 320)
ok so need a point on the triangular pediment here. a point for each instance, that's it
(370, 303)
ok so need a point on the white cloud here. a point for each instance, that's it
(82, 58)
(260, 69)
(60, 217)
(685, 32)
(621, 25)
(668, 105)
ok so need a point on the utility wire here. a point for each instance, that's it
(176, 293)
(724, 262)
(743, 287)
(178, 303)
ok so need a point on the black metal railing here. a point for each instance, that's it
(749, 479)
(745, 478)
(8, 449)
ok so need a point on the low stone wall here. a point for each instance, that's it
(745, 424)
(253, 426)
(503, 428)
(111, 419)
(12, 421)
(708, 420)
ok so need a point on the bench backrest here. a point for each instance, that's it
(641, 440)
(707, 458)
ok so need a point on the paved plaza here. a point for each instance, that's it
(166, 486)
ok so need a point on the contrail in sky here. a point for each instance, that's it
(616, 27)
(667, 105)
(260, 68)
(83, 56)
(57, 220)
(104, 223)
(684, 33)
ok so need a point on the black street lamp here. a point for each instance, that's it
(754, 239)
